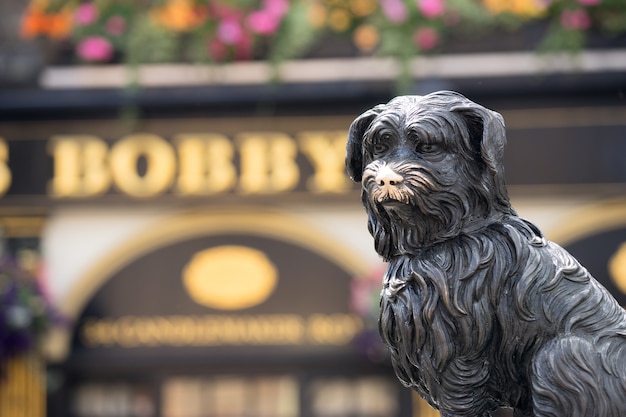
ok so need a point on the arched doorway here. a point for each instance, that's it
(231, 313)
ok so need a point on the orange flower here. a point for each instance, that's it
(339, 20)
(60, 24)
(529, 8)
(366, 38)
(317, 15)
(37, 22)
(32, 23)
(179, 15)
(363, 8)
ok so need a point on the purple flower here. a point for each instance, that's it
(25, 313)
(229, 31)
(86, 14)
(95, 48)
(394, 10)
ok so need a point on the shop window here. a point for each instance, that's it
(355, 397)
(241, 396)
(112, 400)
(231, 396)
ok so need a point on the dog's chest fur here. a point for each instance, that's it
(451, 304)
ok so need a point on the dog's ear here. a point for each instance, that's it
(488, 137)
(354, 147)
(487, 133)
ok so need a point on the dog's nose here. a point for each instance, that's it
(388, 178)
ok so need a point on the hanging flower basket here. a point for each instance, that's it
(105, 31)
(25, 314)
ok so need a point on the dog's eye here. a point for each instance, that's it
(427, 147)
(380, 148)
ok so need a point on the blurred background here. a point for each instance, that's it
(178, 235)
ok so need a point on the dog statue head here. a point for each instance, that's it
(430, 167)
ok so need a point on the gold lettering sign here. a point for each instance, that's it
(326, 150)
(80, 166)
(5, 172)
(218, 330)
(193, 164)
(160, 165)
(206, 164)
(267, 163)
(335, 329)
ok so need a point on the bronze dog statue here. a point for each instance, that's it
(478, 309)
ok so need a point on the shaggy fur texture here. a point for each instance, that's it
(478, 309)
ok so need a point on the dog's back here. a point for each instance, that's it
(579, 370)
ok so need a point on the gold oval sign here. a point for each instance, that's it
(230, 277)
(617, 268)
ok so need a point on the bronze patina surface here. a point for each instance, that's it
(478, 309)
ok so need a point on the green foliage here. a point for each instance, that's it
(148, 42)
(295, 35)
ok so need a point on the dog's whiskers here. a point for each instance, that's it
(398, 182)
(421, 182)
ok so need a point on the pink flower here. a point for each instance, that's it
(395, 10)
(243, 49)
(229, 31)
(217, 50)
(95, 48)
(575, 19)
(263, 22)
(115, 25)
(86, 14)
(277, 8)
(231, 40)
(426, 38)
(589, 2)
(431, 8)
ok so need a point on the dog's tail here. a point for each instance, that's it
(575, 378)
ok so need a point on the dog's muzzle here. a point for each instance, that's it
(389, 182)
(384, 184)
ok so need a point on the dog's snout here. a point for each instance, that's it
(387, 177)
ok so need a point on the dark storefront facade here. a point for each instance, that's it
(242, 314)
